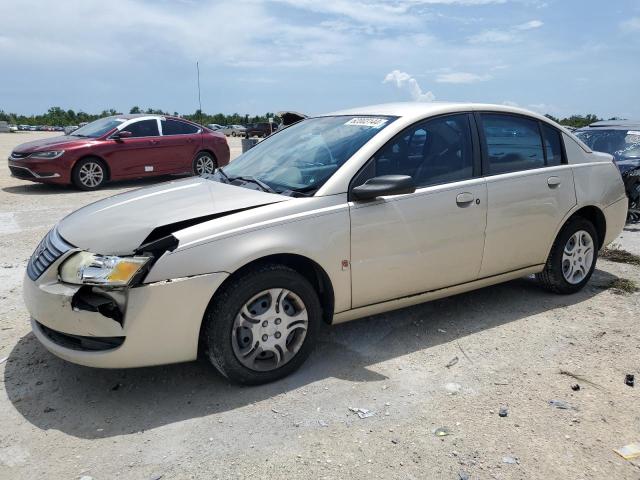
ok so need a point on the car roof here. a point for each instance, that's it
(613, 125)
(420, 110)
(131, 116)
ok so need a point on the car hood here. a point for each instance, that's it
(50, 143)
(118, 225)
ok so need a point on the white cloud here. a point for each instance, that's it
(404, 81)
(529, 25)
(509, 103)
(462, 77)
(492, 36)
(631, 25)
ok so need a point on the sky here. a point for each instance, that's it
(256, 56)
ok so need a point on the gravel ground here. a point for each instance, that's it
(505, 346)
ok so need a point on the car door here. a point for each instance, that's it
(432, 238)
(530, 190)
(138, 155)
(180, 141)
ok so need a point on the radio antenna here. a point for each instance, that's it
(199, 100)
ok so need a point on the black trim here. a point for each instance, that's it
(80, 343)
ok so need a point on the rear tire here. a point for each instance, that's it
(243, 338)
(89, 174)
(572, 258)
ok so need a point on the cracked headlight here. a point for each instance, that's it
(84, 268)
(50, 155)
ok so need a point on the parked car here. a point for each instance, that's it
(262, 129)
(233, 130)
(121, 147)
(622, 140)
(336, 217)
(13, 128)
(4, 127)
(70, 128)
(214, 126)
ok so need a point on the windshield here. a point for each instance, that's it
(622, 144)
(302, 157)
(98, 128)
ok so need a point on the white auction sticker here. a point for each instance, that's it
(372, 122)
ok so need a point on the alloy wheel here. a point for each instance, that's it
(91, 174)
(204, 165)
(577, 257)
(269, 329)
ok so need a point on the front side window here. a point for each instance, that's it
(437, 151)
(143, 128)
(176, 127)
(302, 157)
(512, 143)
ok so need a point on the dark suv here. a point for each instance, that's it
(262, 129)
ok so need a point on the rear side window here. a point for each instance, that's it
(175, 127)
(513, 143)
(552, 145)
(143, 128)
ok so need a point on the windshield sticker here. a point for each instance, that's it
(367, 122)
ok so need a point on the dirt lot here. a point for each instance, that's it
(511, 342)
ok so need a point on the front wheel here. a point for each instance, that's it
(89, 174)
(204, 164)
(263, 325)
(572, 258)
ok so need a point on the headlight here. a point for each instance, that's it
(48, 155)
(86, 268)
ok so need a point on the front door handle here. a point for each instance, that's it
(464, 199)
(553, 182)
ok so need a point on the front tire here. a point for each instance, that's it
(262, 325)
(89, 174)
(572, 258)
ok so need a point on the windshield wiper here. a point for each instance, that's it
(224, 175)
(263, 186)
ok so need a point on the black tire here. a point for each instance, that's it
(552, 277)
(233, 134)
(204, 157)
(80, 178)
(222, 311)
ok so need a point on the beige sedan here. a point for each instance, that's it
(333, 218)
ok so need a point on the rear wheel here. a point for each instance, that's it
(204, 163)
(89, 174)
(263, 325)
(572, 258)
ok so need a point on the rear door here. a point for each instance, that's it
(530, 190)
(138, 155)
(432, 238)
(180, 141)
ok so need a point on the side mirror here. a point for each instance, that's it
(384, 185)
(121, 135)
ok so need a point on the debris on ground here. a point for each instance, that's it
(322, 423)
(2, 360)
(579, 377)
(629, 380)
(621, 286)
(620, 256)
(510, 460)
(575, 387)
(561, 404)
(441, 330)
(362, 412)
(442, 432)
(452, 362)
(49, 410)
(503, 412)
(116, 387)
(453, 388)
(629, 452)
(463, 475)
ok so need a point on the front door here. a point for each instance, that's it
(140, 154)
(430, 239)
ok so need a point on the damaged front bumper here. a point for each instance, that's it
(151, 324)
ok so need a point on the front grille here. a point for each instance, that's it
(47, 252)
(18, 155)
(21, 172)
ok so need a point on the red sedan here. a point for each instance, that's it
(121, 147)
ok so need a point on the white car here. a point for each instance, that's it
(336, 217)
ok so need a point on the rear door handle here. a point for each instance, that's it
(464, 199)
(553, 182)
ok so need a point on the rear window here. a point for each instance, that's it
(552, 145)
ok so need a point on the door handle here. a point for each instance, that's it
(553, 182)
(464, 199)
(153, 142)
